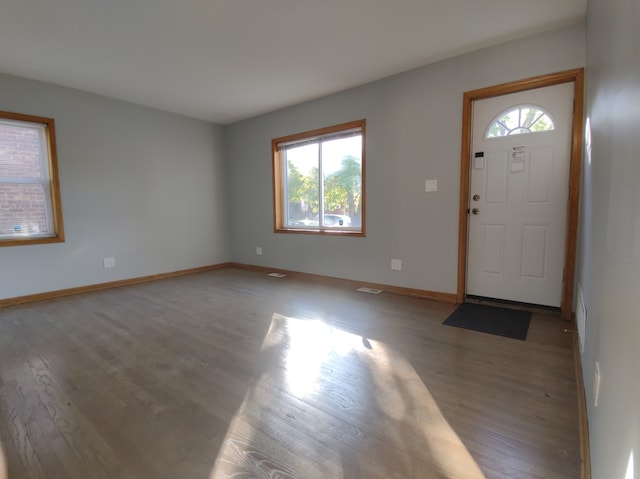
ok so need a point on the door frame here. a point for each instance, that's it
(573, 202)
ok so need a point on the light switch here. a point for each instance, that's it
(430, 185)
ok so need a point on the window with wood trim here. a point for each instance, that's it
(30, 208)
(318, 179)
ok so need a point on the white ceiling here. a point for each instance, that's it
(227, 60)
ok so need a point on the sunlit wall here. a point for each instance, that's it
(609, 255)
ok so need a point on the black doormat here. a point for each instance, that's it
(511, 323)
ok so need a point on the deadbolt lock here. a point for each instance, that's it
(476, 197)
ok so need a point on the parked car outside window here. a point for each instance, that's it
(337, 220)
(329, 220)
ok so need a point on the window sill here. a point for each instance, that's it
(31, 240)
(327, 232)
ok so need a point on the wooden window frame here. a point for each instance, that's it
(279, 200)
(57, 233)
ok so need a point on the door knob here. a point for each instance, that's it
(475, 211)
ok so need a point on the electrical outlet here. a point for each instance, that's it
(596, 385)
(396, 264)
(259, 250)
(109, 262)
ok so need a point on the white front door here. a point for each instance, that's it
(518, 195)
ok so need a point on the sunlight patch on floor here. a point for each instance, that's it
(328, 401)
(309, 344)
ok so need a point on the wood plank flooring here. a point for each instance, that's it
(234, 374)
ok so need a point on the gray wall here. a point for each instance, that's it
(609, 256)
(141, 185)
(413, 134)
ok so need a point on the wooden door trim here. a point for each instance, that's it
(573, 202)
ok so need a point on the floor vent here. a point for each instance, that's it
(277, 275)
(370, 290)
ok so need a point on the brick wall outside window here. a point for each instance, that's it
(22, 205)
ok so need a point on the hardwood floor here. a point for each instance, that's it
(234, 374)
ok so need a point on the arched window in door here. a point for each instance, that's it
(519, 120)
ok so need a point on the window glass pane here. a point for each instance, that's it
(20, 151)
(529, 116)
(543, 123)
(342, 181)
(497, 129)
(24, 210)
(302, 185)
(511, 119)
(520, 120)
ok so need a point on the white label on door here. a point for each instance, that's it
(517, 159)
